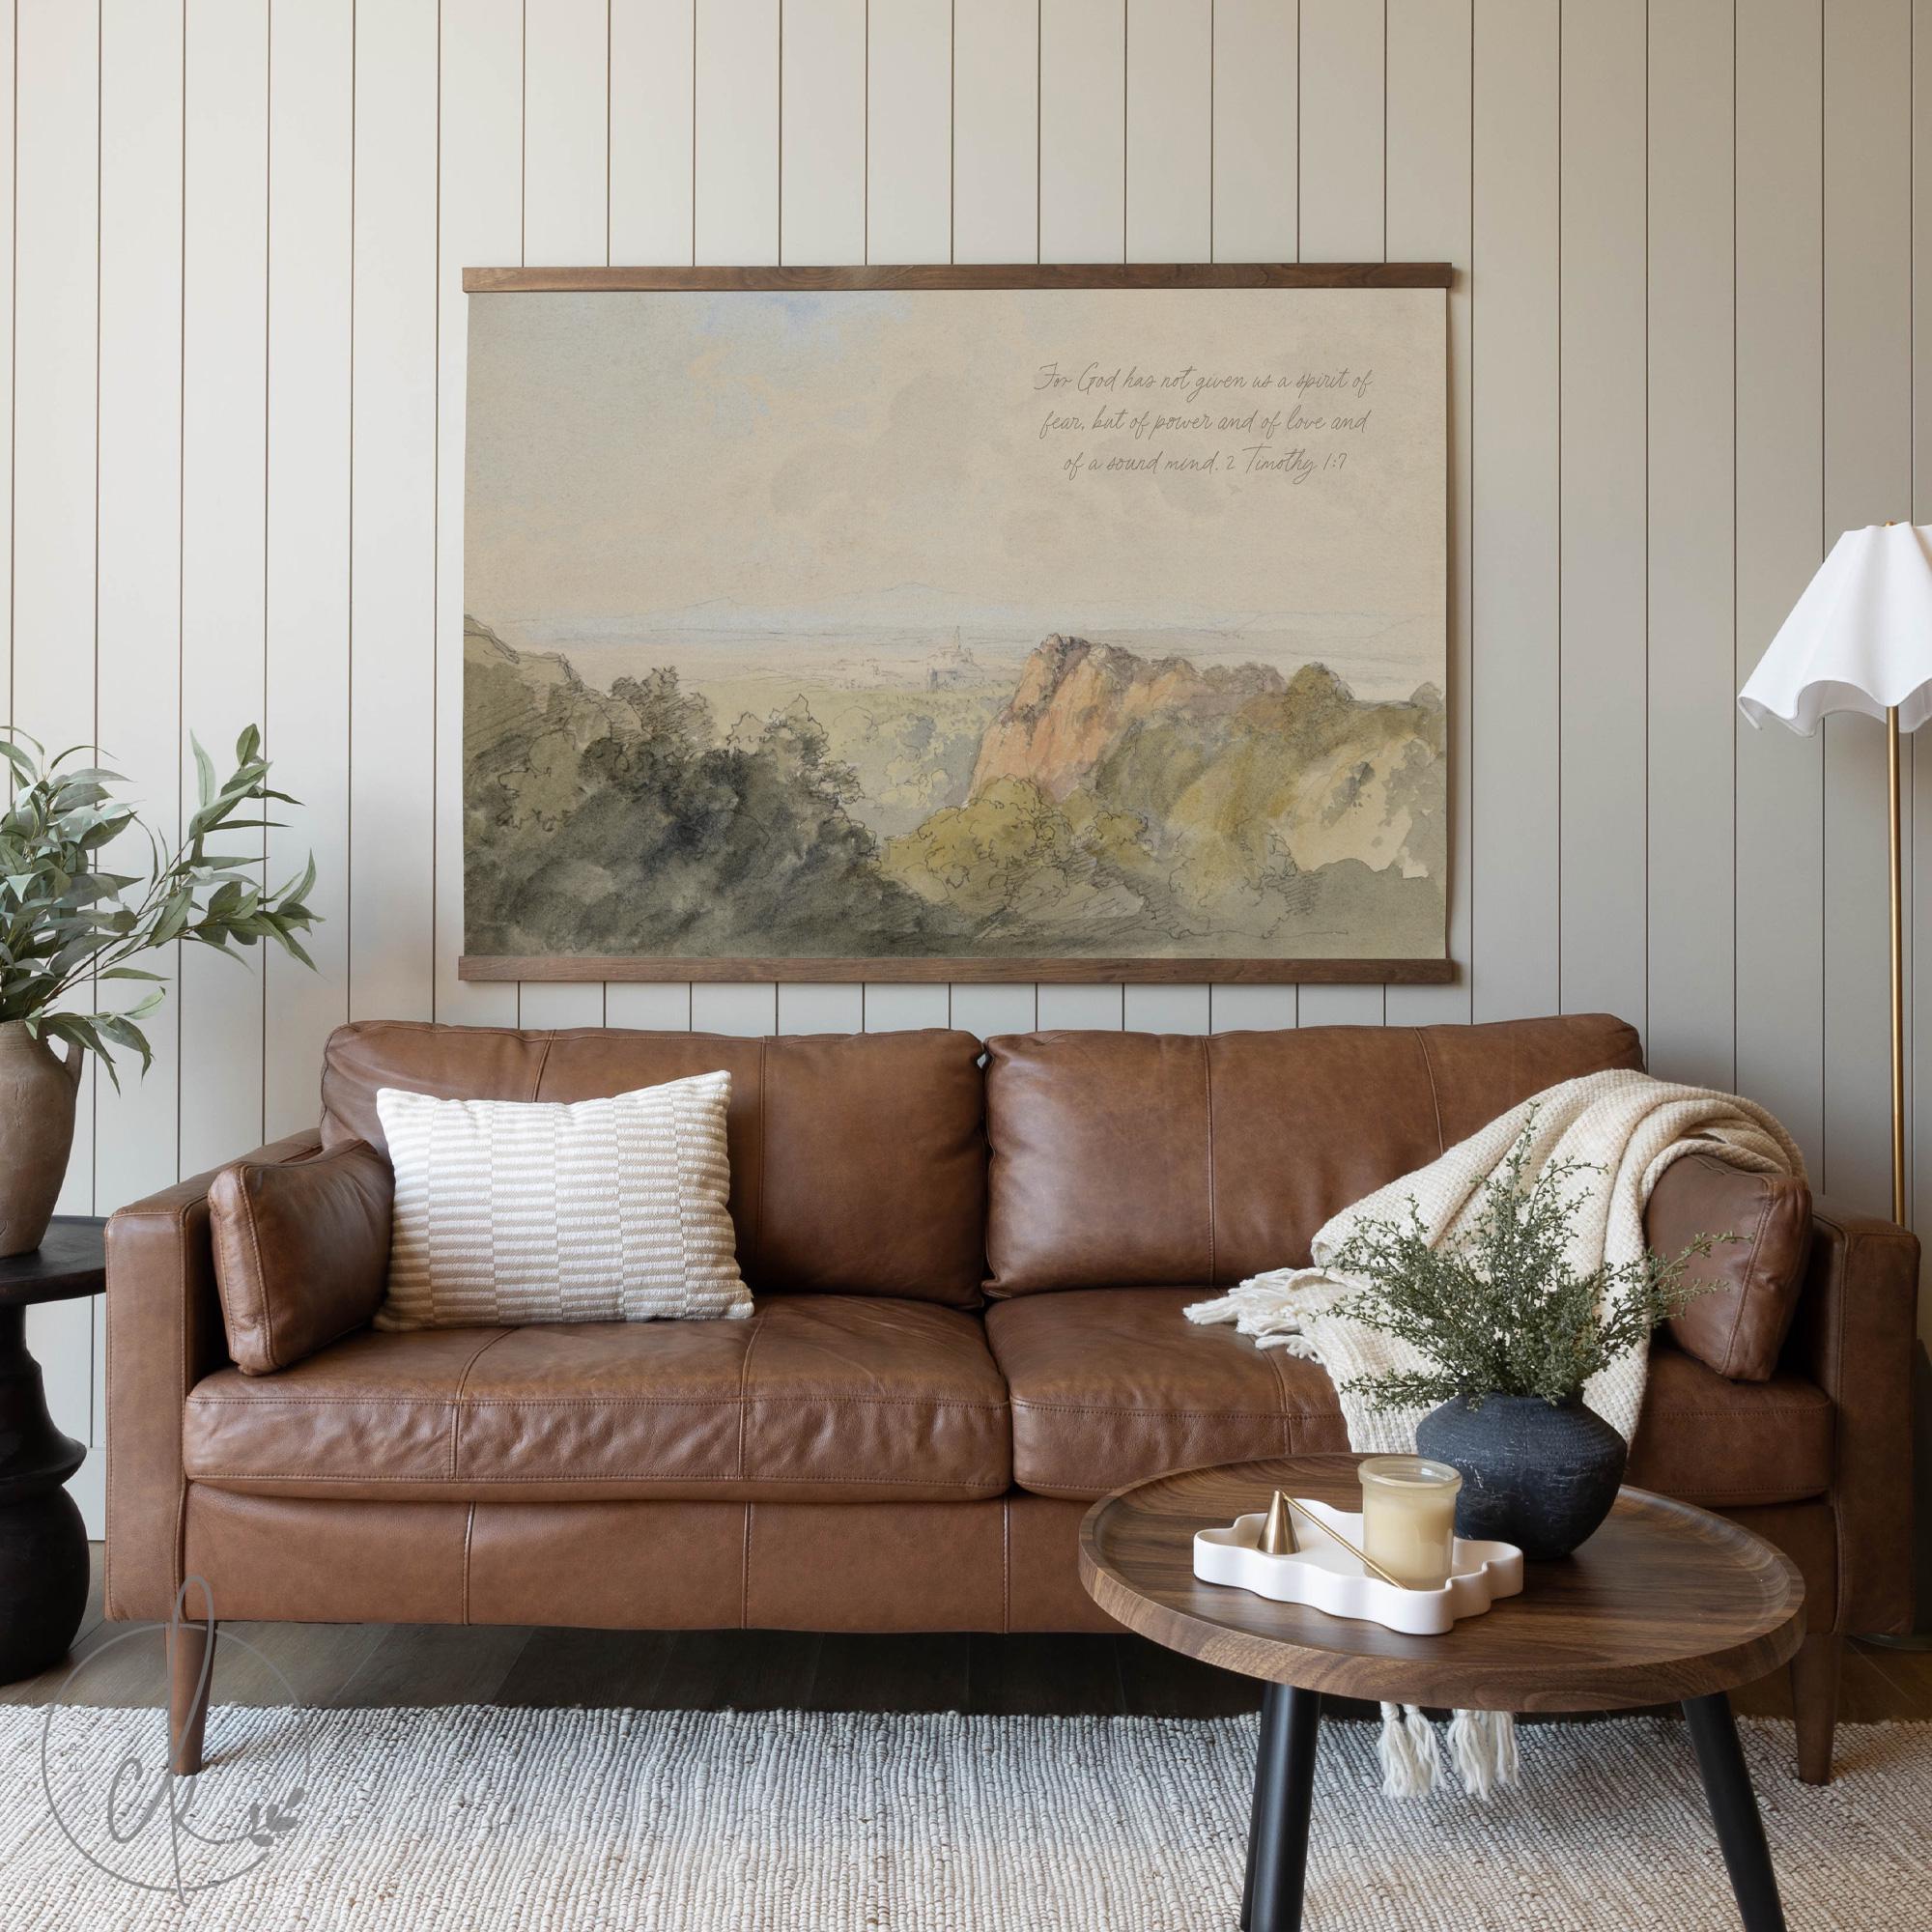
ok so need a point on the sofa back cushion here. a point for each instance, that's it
(858, 1162)
(1142, 1159)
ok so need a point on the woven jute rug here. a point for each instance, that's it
(472, 1819)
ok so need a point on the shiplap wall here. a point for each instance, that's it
(1694, 290)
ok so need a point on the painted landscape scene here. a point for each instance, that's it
(758, 667)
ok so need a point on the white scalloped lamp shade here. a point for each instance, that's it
(1859, 639)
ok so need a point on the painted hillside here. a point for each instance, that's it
(1108, 804)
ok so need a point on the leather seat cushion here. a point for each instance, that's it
(816, 1398)
(1110, 1386)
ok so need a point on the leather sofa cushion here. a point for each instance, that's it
(301, 1251)
(822, 1397)
(858, 1162)
(1125, 1158)
(1110, 1386)
(1738, 1326)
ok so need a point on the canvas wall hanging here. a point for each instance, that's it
(950, 623)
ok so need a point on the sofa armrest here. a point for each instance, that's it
(164, 1333)
(1853, 1335)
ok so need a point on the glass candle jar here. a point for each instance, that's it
(1408, 1518)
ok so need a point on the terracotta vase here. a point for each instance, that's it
(36, 1089)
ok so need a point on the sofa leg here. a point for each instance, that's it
(189, 1653)
(1814, 1699)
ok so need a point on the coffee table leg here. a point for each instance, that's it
(1284, 1791)
(1734, 1811)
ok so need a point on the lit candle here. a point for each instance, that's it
(1408, 1518)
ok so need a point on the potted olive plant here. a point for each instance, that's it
(1512, 1332)
(67, 923)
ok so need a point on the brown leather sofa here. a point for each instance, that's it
(969, 1287)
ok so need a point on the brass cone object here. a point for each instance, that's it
(1278, 1537)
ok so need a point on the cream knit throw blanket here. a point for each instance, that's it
(1629, 1129)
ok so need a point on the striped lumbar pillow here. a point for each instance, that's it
(509, 1213)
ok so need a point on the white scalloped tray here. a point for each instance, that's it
(1323, 1574)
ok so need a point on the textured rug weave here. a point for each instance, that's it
(470, 1820)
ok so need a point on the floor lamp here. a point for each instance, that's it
(1860, 639)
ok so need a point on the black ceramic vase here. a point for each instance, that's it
(1540, 1475)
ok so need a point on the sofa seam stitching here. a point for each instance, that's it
(468, 1530)
(456, 1403)
(1207, 1094)
(1434, 1096)
(548, 1476)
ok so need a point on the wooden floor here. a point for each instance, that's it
(384, 1664)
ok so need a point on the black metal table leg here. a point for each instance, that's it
(1284, 1791)
(1269, 1694)
(1734, 1811)
(43, 1540)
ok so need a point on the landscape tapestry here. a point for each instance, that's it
(958, 630)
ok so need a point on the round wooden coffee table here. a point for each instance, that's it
(1665, 1603)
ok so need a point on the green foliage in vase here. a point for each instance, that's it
(67, 923)
(1498, 1309)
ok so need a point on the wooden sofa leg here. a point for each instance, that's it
(1814, 1699)
(187, 1695)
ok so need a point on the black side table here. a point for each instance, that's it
(43, 1540)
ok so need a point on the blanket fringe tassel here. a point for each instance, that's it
(1482, 1747)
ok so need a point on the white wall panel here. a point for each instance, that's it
(651, 153)
(909, 132)
(1780, 458)
(1429, 142)
(311, 145)
(1604, 673)
(1515, 496)
(392, 518)
(567, 108)
(54, 676)
(823, 140)
(1170, 130)
(1083, 84)
(223, 520)
(480, 104)
(1691, 544)
(996, 132)
(1254, 82)
(735, 103)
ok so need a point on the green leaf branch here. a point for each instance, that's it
(1497, 1310)
(68, 923)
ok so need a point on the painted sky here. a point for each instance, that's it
(632, 454)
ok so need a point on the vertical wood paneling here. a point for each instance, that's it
(1170, 137)
(311, 144)
(990, 1010)
(1255, 129)
(54, 675)
(1513, 252)
(480, 105)
(894, 1004)
(1342, 131)
(139, 563)
(223, 519)
(823, 147)
(651, 100)
(566, 132)
(996, 132)
(736, 103)
(1170, 130)
(1083, 50)
(1429, 145)
(1918, 988)
(1604, 672)
(1343, 218)
(1082, 76)
(651, 43)
(138, 559)
(909, 133)
(1867, 479)
(566, 221)
(393, 524)
(1691, 533)
(1644, 465)
(1781, 457)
